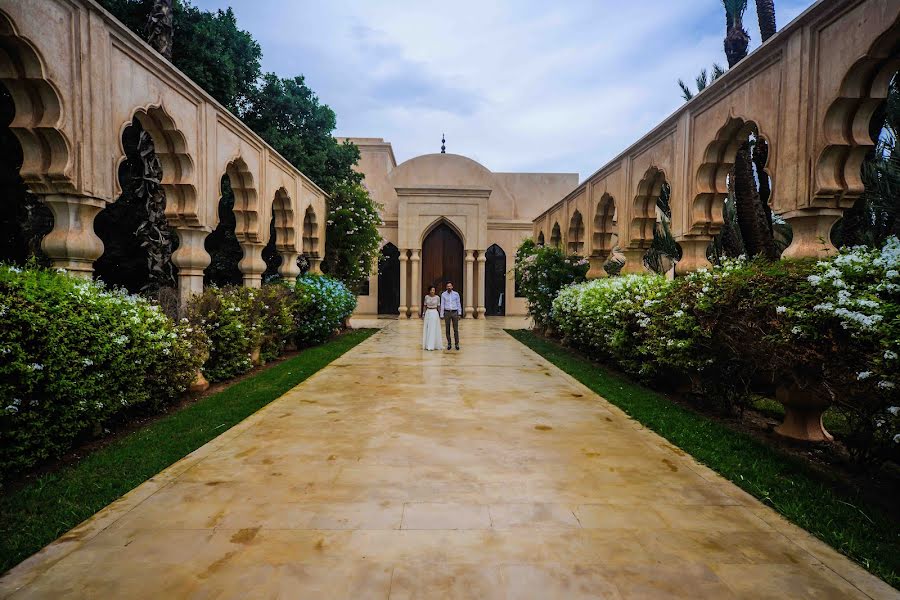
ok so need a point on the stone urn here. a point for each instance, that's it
(256, 355)
(803, 410)
(199, 384)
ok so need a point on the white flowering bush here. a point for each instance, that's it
(74, 356)
(830, 327)
(240, 320)
(606, 316)
(322, 305)
(848, 317)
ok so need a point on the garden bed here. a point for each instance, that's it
(827, 502)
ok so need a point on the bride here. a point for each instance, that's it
(431, 334)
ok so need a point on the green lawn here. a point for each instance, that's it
(35, 515)
(841, 518)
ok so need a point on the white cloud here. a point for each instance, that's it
(518, 85)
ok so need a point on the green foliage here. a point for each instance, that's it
(288, 115)
(44, 508)
(325, 303)
(831, 327)
(542, 271)
(74, 356)
(352, 242)
(239, 321)
(208, 47)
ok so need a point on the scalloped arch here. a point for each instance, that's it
(556, 236)
(838, 169)
(643, 220)
(246, 201)
(310, 232)
(177, 165)
(575, 237)
(604, 227)
(283, 214)
(712, 174)
(46, 150)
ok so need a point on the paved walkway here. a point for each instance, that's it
(396, 473)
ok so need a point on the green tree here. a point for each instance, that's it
(765, 11)
(289, 116)
(352, 241)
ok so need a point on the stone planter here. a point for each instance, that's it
(803, 414)
(255, 356)
(199, 384)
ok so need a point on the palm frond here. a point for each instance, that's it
(717, 71)
(686, 92)
(702, 80)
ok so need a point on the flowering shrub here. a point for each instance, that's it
(831, 327)
(73, 355)
(352, 241)
(849, 322)
(606, 315)
(322, 306)
(541, 272)
(239, 321)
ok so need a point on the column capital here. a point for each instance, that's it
(252, 265)
(72, 244)
(470, 256)
(812, 232)
(415, 254)
(693, 254)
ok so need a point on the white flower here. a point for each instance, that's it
(886, 385)
(781, 309)
(814, 279)
(36, 367)
(890, 355)
(797, 330)
(897, 439)
(12, 409)
(863, 375)
(894, 410)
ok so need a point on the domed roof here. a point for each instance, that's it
(440, 170)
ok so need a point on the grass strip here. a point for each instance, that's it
(839, 517)
(38, 513)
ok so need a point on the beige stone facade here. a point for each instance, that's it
(810, 92)
(484, 209)
(78, 77)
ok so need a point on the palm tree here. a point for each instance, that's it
(703, 80)
(736, 38)
(765, 11)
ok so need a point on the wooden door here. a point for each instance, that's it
(389, 281)
(442, 260)
(495, 281)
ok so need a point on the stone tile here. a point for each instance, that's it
(488, 473)
(434, 515)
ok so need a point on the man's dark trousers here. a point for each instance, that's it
(452, 316)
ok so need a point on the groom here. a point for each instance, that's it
(450, 311)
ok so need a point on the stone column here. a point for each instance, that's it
(315, 264)
(191, 259)
(72, 244)
(480, 274)
(403, 275)
(634, 261)
(289, 271)
(415, 265)
(469, 310)
(597, 261)
(693, 255)
(812, 232)
(252, 265)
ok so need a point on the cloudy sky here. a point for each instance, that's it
(518, 85)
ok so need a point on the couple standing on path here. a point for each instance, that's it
(447, 306)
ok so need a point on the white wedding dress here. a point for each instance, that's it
(431, 332)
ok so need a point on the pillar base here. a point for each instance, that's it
(289, 270)
(803, 415)
(693, 255)
(634, 261)
(72, 244)
(812, 232)
(191, 259)
(597, 271)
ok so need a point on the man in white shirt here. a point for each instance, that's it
(451, 308)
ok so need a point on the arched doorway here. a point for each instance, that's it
(389, 281)
(495, 281)
(442, 260)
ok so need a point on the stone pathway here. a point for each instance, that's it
(396, 473)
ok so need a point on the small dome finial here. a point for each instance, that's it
(443, 144)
